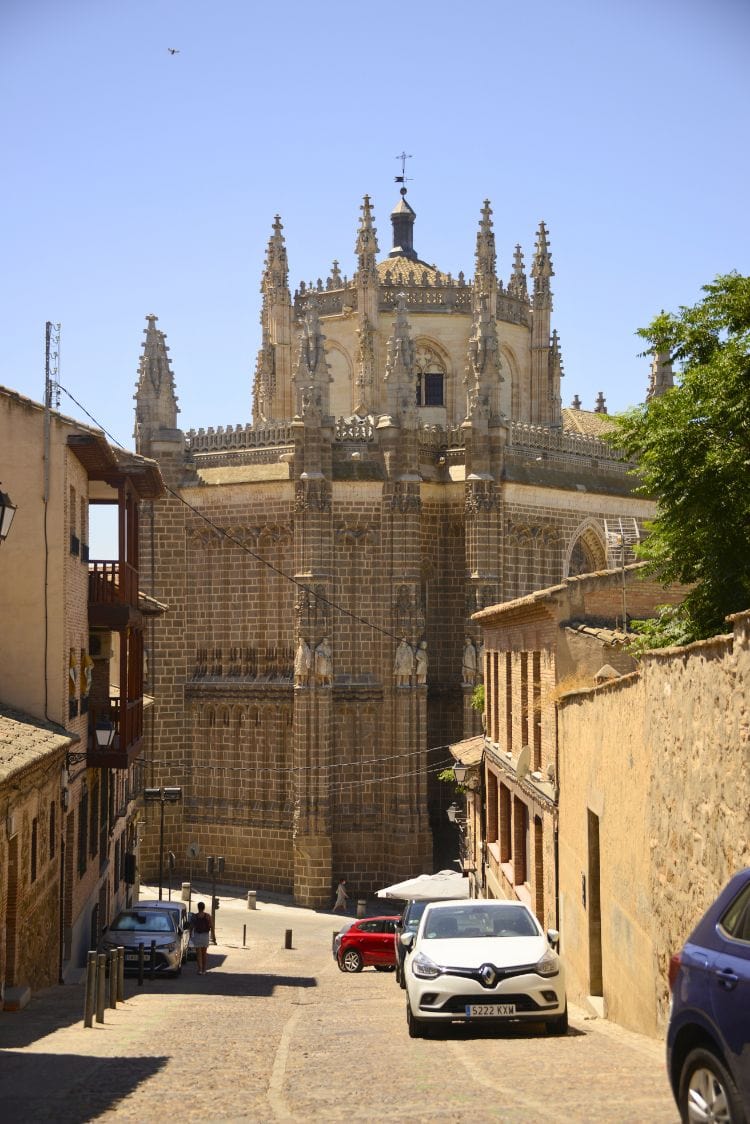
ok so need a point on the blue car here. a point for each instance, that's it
(708, 1038)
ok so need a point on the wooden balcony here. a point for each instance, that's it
(128, 736)
(113, 594)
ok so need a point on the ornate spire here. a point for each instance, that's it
(275, 280)
(399, 368)
(264, 384)
(601, 406)
(555, 374)
(156, 401)
(517, 286)
(365, 375)
(661, 378)
(483, 366)
(541, 270)
(366, 248)
(485, 257)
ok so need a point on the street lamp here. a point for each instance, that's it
(460, 772)
(7, 511)
(162, 796)
(455, 815)
(105, 733)
(214, 866)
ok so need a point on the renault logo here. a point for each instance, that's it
(488, 975)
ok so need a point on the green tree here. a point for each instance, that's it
(692, 445)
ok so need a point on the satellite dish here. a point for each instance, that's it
(193, 851)
(523, 763)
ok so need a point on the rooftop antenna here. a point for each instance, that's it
(52, 366)
(403, 179)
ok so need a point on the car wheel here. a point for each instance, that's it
(707, 1091)
(417, 1027)
(351, 961)
(558, 1025)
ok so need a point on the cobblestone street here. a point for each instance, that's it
(280, 1034)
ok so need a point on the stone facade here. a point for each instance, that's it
(409, 463)
(654, 815)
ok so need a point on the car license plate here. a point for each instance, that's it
(489, 1010)
(131, 955)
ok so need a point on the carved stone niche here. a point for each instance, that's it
(405, 497)
(312, 495)
(312, 612)
(480, 496)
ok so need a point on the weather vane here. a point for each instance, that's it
(403, 178)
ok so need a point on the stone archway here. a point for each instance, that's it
(587, 551)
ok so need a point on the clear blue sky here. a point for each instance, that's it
(138, 181)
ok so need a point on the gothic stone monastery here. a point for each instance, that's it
(409, 463)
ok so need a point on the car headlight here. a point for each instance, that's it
(549, 965)
(168, 947)
(424, 968)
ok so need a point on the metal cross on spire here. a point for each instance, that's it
(403, 178)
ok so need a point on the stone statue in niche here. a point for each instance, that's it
(404, 663)
(469, 664)
(323, 669)
(302, 663)
(420, 657)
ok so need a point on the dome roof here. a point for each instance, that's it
(400, 268)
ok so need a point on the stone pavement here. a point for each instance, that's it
(280, 1034)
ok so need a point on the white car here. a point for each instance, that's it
(483, 961)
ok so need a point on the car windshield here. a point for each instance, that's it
(149, 920)
(415, 916)
(479, 921)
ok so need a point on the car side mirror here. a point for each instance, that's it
(407, 939)
(553, 937)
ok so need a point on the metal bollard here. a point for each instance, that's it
(101, 985)
(140, 964)
(152, 961)
(121, 974)
(252, 898)
(112, 982)
(244, 935)
(361, 907)
(288, 939)
(90, 997)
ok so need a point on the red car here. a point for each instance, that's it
(366, 942)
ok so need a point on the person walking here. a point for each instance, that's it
(339, 906)
(201, 930)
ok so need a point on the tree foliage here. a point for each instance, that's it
(692, 445)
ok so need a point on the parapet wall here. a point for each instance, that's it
(659, 760)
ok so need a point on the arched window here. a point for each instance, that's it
(587, 554)
(430, 378)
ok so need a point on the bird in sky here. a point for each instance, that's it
(173, 50)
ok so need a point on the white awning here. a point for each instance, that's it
(447, 884)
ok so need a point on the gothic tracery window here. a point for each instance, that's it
(430, 378)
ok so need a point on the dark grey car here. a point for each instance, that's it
(134, 927)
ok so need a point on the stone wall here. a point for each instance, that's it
(660, 758)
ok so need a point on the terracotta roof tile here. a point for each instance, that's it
(25, 740)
